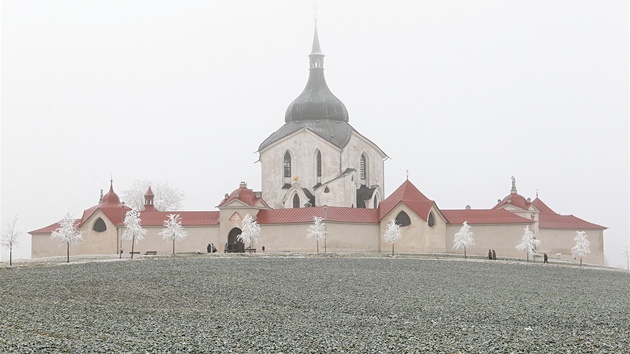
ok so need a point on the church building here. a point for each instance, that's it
(317, 165)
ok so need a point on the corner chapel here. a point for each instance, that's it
(317, 164)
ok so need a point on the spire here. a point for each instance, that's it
(316, 56)
(111, 197)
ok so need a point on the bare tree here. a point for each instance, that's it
(317, 230)
(250, 231)
(133, 229)
(10, 236)
(464, 238)
(174, 230)
(167, 198)
(528, 242)
(582, 246)
(67, 233)
(392, 233)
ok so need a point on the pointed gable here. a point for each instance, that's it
(408, 194)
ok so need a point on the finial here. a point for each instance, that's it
(513, 185)
(536, 192)
(315, 12)
(407, 175)
(101, 198)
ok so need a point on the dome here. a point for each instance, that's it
(316, 102)
(111, 197)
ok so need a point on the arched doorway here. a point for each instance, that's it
(233, 244)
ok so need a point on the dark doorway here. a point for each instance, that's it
(234, 245)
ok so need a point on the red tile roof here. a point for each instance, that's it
(484, 216)
(189, 218)
(410, 195)
(548, 218)
(50, 228)
(514, 199)
(305, 215)
(243, 194)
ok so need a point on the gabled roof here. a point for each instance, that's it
(305, 215)
(50, 228)
(408, 194)
(483, 216)
(548, 218)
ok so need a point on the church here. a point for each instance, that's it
(317, 165)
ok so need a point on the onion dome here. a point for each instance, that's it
(110, 197)
(316, 101)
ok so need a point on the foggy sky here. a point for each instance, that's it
(462, 94)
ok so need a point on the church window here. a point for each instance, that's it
(296, 201)
(431, 220)
(326, 190)
(319, 163)
(363, 167)
(287, 165)
(403, 219)
(99, 225)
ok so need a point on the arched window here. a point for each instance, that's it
(403, 219)
(431, 220)
(363, 167)
(287, 165)
(319, 163)
(99, 225)
(296, 201)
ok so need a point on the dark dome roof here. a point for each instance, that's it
(316, 101)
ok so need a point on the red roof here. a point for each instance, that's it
(189, 218)
(50, 228)
(483, 216)
(305, 215)
(243, 194)
(410, 195)
(548, 218)
(514, 199)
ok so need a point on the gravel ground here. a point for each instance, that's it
(312, 304)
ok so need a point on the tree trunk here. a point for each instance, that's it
(318, 245)
(133, 239)
(173, 246)
(580, 261)
(392, 249)
(527, 256)
(68, 252)
(11, 254)
(465, 252)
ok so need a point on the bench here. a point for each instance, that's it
(134, 252)
(150, 253)
(250, 250)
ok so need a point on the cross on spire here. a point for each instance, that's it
(315, 11)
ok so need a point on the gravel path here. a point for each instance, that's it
(312, 304)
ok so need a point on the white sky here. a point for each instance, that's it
(463, 94)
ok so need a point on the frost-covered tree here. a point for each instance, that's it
(166, 198)
(250, 231)
(67, 233)
(528, 243)
(464, 238)
(10, 236)
(173, 229)
(317, 230)
(133, 228)
(582, 246)
(392, 234)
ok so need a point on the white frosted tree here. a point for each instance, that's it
(133, 228)
(317, 230)
(582, 246)
(392, 233)
(173, 230)
(10, 236)
(67, 233)
(166, 198)
(464, 238)
(528, 243)
(250, 231)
